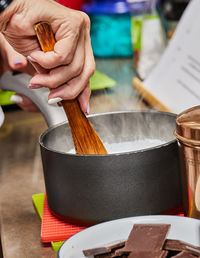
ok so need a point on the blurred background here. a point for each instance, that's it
(137, 29)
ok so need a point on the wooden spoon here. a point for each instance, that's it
(86, 140)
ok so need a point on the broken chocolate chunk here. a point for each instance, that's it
(145, 237)
(184, 254)
(95, 251)
(177, 245)
(141, 254)
(103, 249)
(147, 241)
(108, 255)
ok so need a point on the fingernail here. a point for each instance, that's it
(88, 109)
(17, 61)
(16, 99)
(31, 59)
(54, 101)
(34, 86)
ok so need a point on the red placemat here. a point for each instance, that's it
(54, 229)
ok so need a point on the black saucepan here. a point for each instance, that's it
(91, 189)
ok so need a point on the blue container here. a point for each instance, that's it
(110, 28)
(140, 7)
(106, 7)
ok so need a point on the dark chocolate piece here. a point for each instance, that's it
(146, 241)
(184, 254)
(141, 254)
(95, 251)
(119, 252)
(172, 253)
(109, 255)
(103, 249)
(177, 245)
(145, 237)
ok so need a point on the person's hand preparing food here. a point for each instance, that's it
(11, 60)
(71, 64)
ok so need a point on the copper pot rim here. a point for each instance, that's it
(186, 141)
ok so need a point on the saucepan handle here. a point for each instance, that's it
(53, 114)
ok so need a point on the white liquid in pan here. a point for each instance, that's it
(129, 146)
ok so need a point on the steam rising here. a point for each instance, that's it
(129, 146)
(122, 131)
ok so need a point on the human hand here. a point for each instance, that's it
(11, 60)
(71, 64)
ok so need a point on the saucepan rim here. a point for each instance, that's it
(111, 154)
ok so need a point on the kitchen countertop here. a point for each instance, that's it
(21, 173)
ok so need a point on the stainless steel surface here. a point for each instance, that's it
(188, 135)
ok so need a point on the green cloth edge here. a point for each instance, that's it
(101, 81)
(5, 97)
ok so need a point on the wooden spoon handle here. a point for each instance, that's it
(86, 140)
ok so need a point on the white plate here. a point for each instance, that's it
(182, 228)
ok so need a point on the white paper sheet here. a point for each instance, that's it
(175, 81)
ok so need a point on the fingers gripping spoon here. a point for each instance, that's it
(86, 140)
